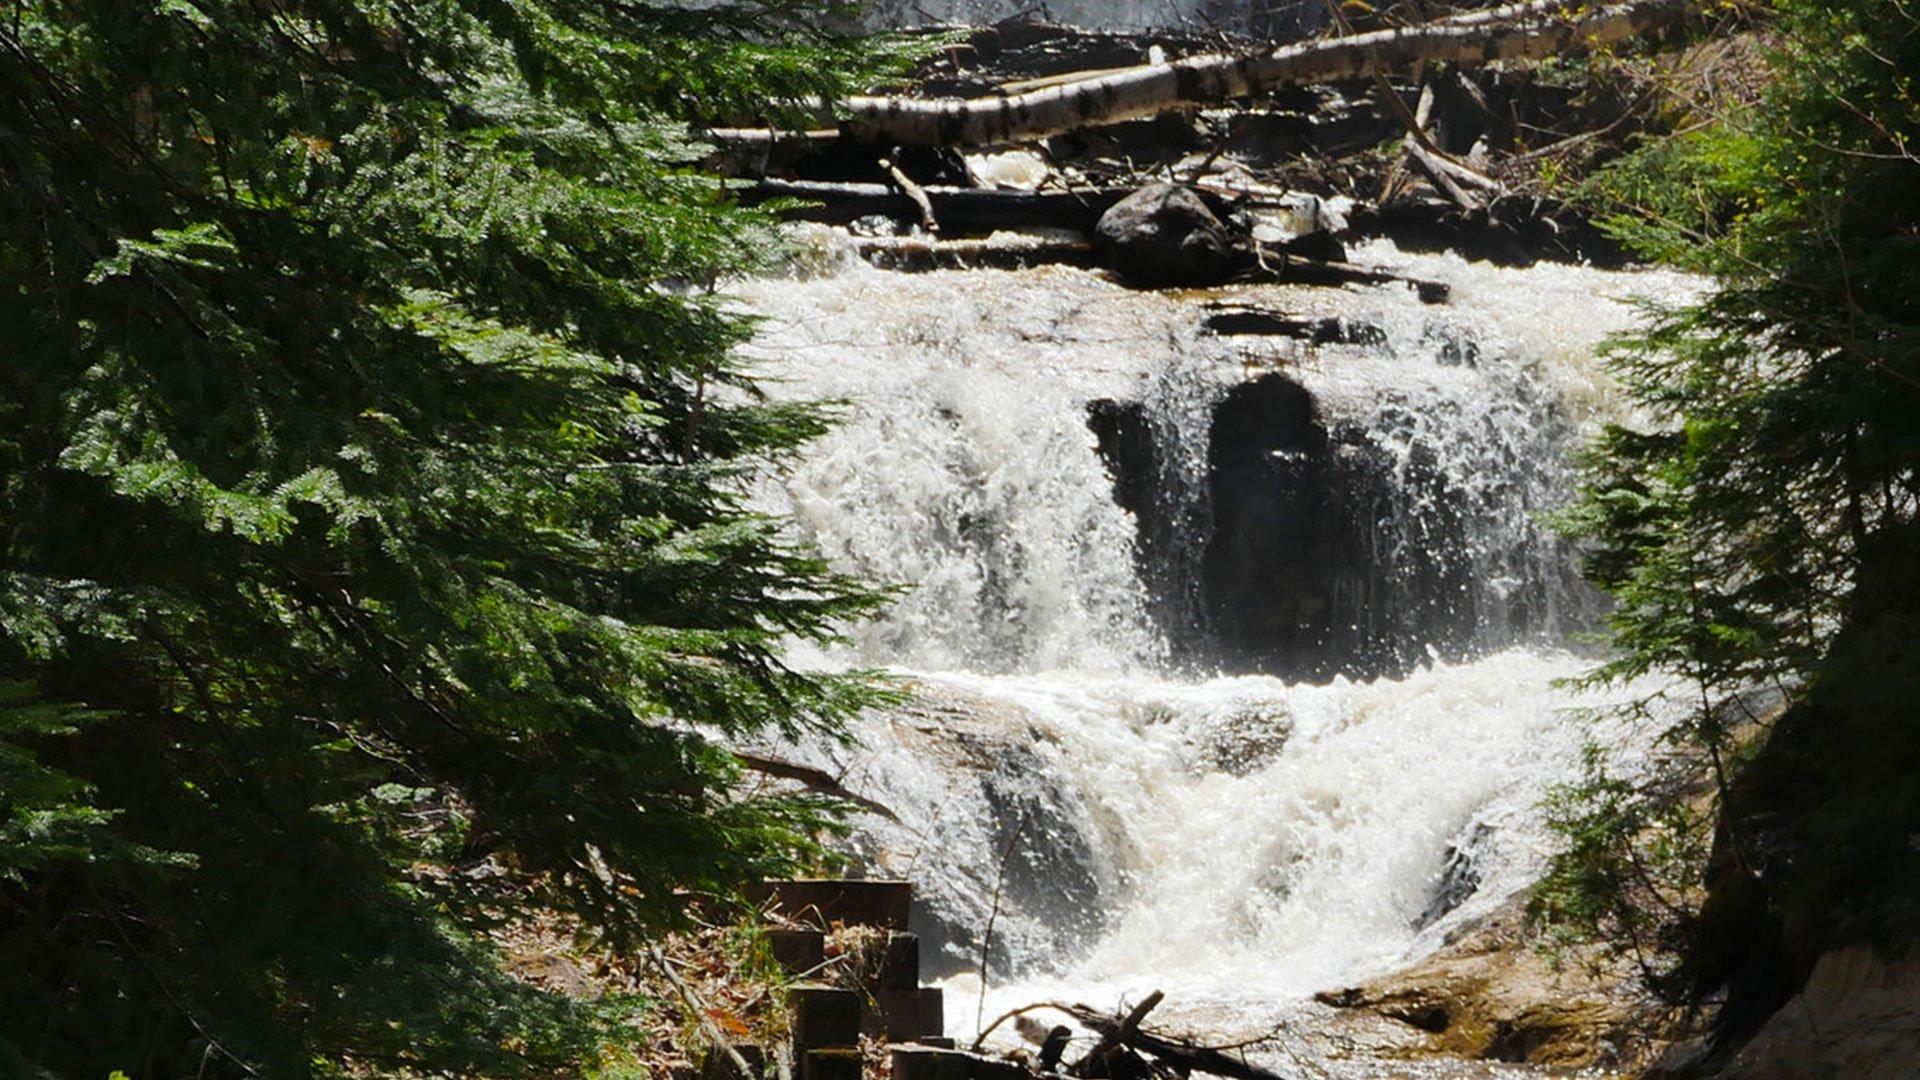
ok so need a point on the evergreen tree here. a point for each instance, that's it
(374, 558)
(1784, 454)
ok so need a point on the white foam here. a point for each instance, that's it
(965, 470)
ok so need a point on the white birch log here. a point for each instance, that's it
(1522, 31)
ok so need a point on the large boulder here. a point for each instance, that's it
(1164, 234)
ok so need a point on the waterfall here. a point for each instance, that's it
(1231, 659)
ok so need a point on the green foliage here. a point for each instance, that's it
(1785, 406)
(374, 558)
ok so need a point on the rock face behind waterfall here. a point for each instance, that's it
(1164, 234)
(1311, 564)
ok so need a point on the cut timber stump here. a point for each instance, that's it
(797, 951)
(820, 902)
(919, 1062)
(839, 1063)
(912, 1015)
(824, 1017)
(899, 963)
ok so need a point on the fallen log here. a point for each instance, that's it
(913, 254)
(1523, 31)
(1228, 319)
(1311, 272)
(959, 210)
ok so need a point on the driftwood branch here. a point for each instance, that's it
(1522, 31)
(1182, 1056)
(912, 191)
(981, 1040)
(815, 779)
(1420, 146)
(1099, 1061)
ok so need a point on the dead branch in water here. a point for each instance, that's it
(1181, 1055)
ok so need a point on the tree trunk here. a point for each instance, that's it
(1523, 31)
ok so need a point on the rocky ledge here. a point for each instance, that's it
(1492, 994)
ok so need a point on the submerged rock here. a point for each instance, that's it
(1164, 234)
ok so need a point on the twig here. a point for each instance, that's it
(993, 916)
(719, 1038)
(1010, 1014)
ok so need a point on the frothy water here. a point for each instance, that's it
(1124, 809)
(966, 469)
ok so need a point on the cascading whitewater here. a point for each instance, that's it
(1066, 767)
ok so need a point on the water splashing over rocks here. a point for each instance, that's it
(1244, 646)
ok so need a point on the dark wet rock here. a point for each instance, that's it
(1163, 533)
(1234, 321)
(1036, 861)
(1512, 231)
(1290, 579)
(1165, 234)
(1292, 582)
(1459, 877)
